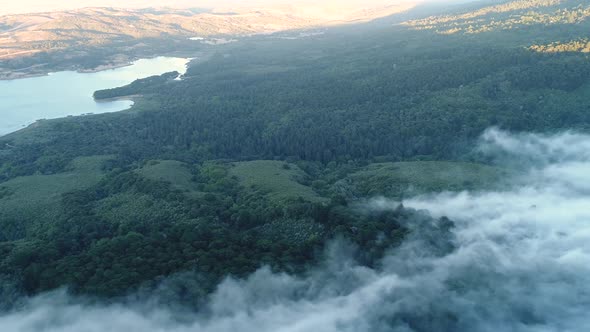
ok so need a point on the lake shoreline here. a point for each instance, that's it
(36, 71)
(133, 98)
(11, 75)
(30, 101)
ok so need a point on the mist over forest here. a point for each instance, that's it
(502, 263)
(421, 170)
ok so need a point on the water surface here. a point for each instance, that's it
(61, 94)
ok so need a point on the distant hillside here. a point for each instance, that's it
(509, 16)
(27, 34)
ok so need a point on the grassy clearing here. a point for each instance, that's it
(410, 178)
(278, 179)
(175, 172)
(30, 201)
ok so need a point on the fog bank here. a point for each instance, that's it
(515, 260)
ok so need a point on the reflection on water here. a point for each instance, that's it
(70, 93)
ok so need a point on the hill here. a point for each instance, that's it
(279, 180)
(550, 19)
(90, 38)
(406, 179)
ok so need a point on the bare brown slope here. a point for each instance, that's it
(27, 34)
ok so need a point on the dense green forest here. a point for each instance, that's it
(262, 153)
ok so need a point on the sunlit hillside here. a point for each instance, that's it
(27, 34)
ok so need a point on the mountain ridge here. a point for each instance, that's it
(24, 34)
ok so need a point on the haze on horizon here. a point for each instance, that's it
(31, 6)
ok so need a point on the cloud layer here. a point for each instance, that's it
(516, 260)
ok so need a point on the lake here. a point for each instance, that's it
(61, 94)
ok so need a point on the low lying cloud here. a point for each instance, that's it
(516, 260)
